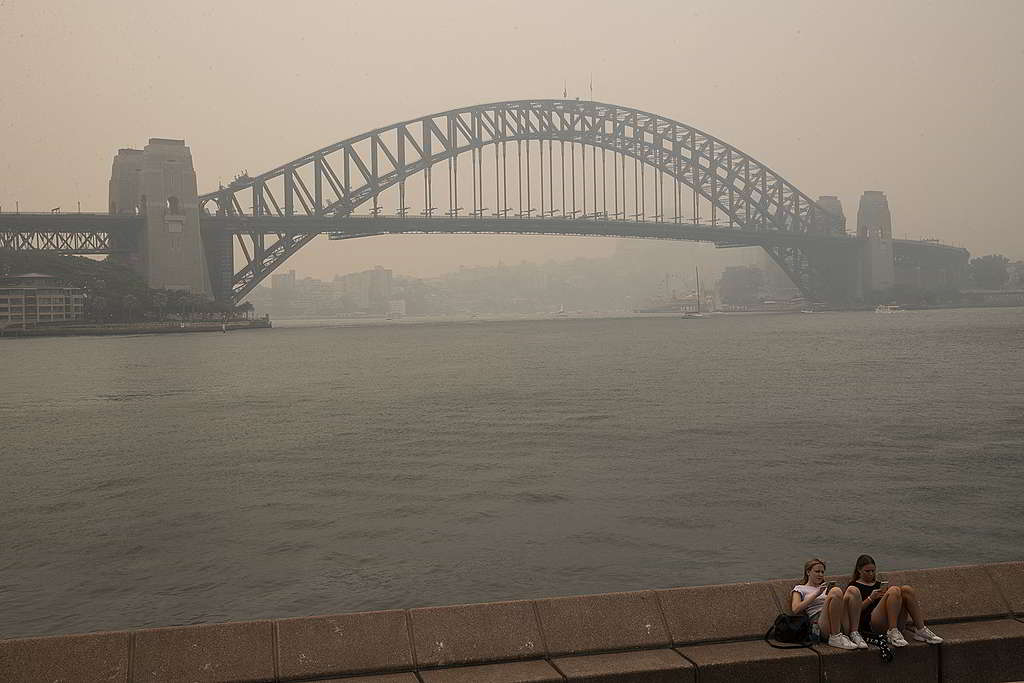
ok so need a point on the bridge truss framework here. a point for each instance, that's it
(640, 165)
(554, 167)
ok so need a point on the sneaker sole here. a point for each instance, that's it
(843, 647)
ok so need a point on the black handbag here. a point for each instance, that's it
(790, 628)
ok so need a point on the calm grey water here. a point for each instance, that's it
(159, 480)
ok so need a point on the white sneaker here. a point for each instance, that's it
(841, 641)
(925, 635)
(896, 638)
(858, 640)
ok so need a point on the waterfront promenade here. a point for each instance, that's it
(702, 633)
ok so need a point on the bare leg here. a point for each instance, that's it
(911, 607)
(824, 623)
(852, 603)
(886, 614)
(832, 620)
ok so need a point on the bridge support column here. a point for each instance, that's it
(879, 265)
(159, 182)
(874, 224)
(220, 260)
(823, 272)
(837, 273)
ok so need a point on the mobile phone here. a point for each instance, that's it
(883, 583)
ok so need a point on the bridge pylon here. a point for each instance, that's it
(158, 182)
(874, 224)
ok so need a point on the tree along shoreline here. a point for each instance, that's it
(115, 293)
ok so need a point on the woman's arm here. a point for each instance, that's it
(796, 605)
(874, 596)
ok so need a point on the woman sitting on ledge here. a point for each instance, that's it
(830, 610)
(885, 608)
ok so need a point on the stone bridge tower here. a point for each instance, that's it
(874, 222)
(159, 183)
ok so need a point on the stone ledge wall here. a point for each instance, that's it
(86, 329)
(705, 633)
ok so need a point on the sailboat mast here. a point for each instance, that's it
(697, 270)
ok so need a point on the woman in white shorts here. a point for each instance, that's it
(833, 612)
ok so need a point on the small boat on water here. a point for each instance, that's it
(888, 308)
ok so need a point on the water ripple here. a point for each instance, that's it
(154, 481)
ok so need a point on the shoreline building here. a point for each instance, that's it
(364, 293)
(34, 298)
(368, 290)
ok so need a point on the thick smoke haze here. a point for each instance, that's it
(919, 99)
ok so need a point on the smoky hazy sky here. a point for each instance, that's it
(922, 100)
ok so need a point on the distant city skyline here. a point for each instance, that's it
(671, 255)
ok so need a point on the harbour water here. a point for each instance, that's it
(160, 480)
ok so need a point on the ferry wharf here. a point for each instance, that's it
(701, 634)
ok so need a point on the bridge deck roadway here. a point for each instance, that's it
(363, 226)
(359, 226)
(78, 233)
(69, 222)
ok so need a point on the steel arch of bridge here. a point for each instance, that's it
(336, 180)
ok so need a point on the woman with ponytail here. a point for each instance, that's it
(885, 608)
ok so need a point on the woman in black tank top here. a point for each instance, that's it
(886, 608)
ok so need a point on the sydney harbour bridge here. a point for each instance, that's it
(527, 167)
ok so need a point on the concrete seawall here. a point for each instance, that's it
(702, 633)
(136, 328)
